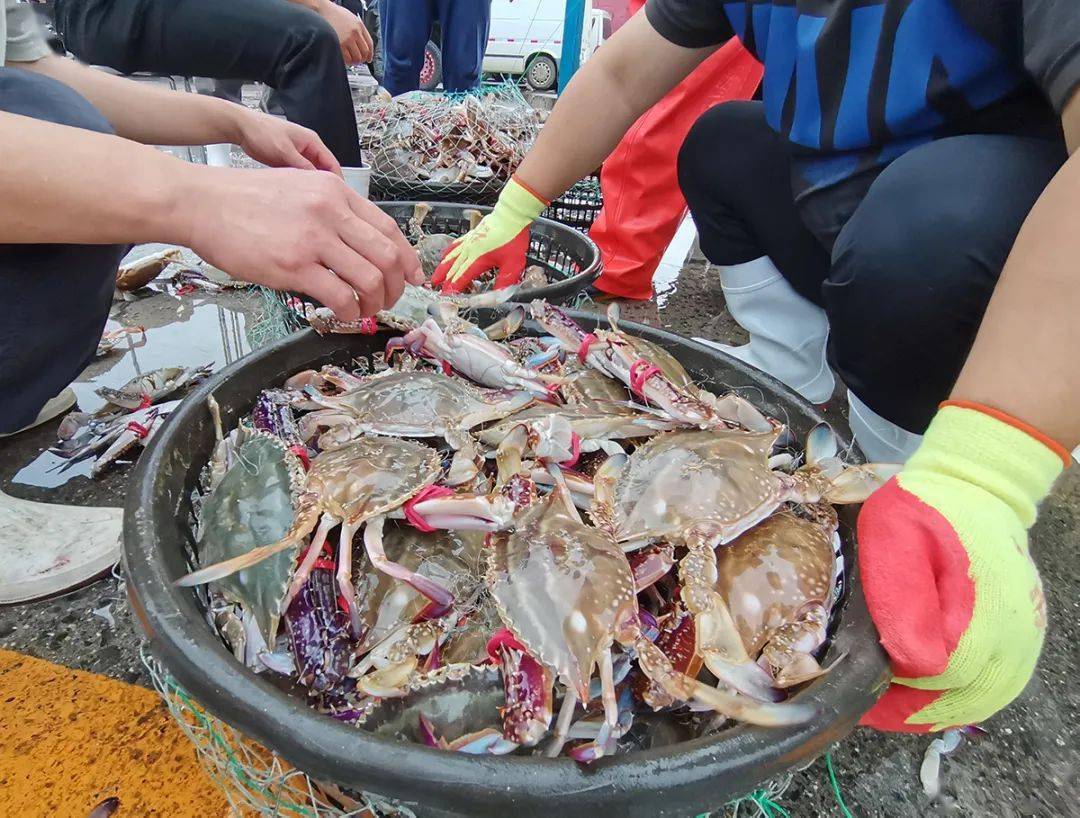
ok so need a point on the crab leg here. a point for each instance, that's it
(344, 576)
(562, 724)
(605, 739)
(477, 512)
(373, 544)
(314, 550)
(658, 667)
(304, 523)
(506, 326)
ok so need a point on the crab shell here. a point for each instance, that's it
(562, 588)
(371, 476)
(770, 574)
(678, 480)
(419, 404)
(251, 506)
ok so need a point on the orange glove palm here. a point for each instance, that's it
(499, 242)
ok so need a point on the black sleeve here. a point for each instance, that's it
(691, 23)
(1052, 47)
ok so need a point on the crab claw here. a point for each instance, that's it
(483, 742)
(527, 685)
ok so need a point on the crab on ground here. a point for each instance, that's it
(702, 489)
(151, 387)
(140, 272)
(650, 372)
(358, 486)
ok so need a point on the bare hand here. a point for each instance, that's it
(281, 144)
(356, 45)
(300, 230)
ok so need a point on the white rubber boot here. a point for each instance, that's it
(787, 332)
(880, 440)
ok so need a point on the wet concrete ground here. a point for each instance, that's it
(1026, 767)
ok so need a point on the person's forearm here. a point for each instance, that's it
(60, 185)
(143, 112)
(1024, 360)
(622, 80)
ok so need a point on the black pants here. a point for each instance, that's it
(406, 27)
(904, 260)
(290, 48)
(56, 297)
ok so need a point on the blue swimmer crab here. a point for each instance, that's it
(411, 310)
(409, 404)
(358, 486)
(702, 489)
(566, 592)
(777, 580)
(251, 504)
(650, 372)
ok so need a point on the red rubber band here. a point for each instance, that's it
(586, 342)
(413, 517)
(575, 448)
(640, 371)
(324, 563)
(368, 326)
(446, 368)
(186, 289)
(145, 403)
(141, 432)
(302, 453)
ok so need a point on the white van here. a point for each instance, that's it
(526, 38)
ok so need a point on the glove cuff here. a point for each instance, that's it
(987, 448)
(521, 203)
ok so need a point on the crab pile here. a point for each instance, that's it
(129, 418)
(440, 140)
(491, 542)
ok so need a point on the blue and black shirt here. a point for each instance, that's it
(853, 84)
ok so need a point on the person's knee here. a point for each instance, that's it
(904, 298)
(314, 39)
(718, 150)
(33, 95)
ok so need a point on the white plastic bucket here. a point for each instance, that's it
(359, 179)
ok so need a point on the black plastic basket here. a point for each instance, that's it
(579, 206)
(570, 258)
(680, 779)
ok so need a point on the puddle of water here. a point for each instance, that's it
(197, 332)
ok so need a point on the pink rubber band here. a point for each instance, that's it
(586, 342)
(414, 517)
(302, 453)
(640, 371)
(575, 448)
(140, 431)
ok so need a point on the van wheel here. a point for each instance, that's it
(431, 72)
(541, 73)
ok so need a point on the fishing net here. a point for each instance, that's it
(254, 780)
(447, 147)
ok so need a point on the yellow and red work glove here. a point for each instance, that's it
(499, 242)
(951, 587)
